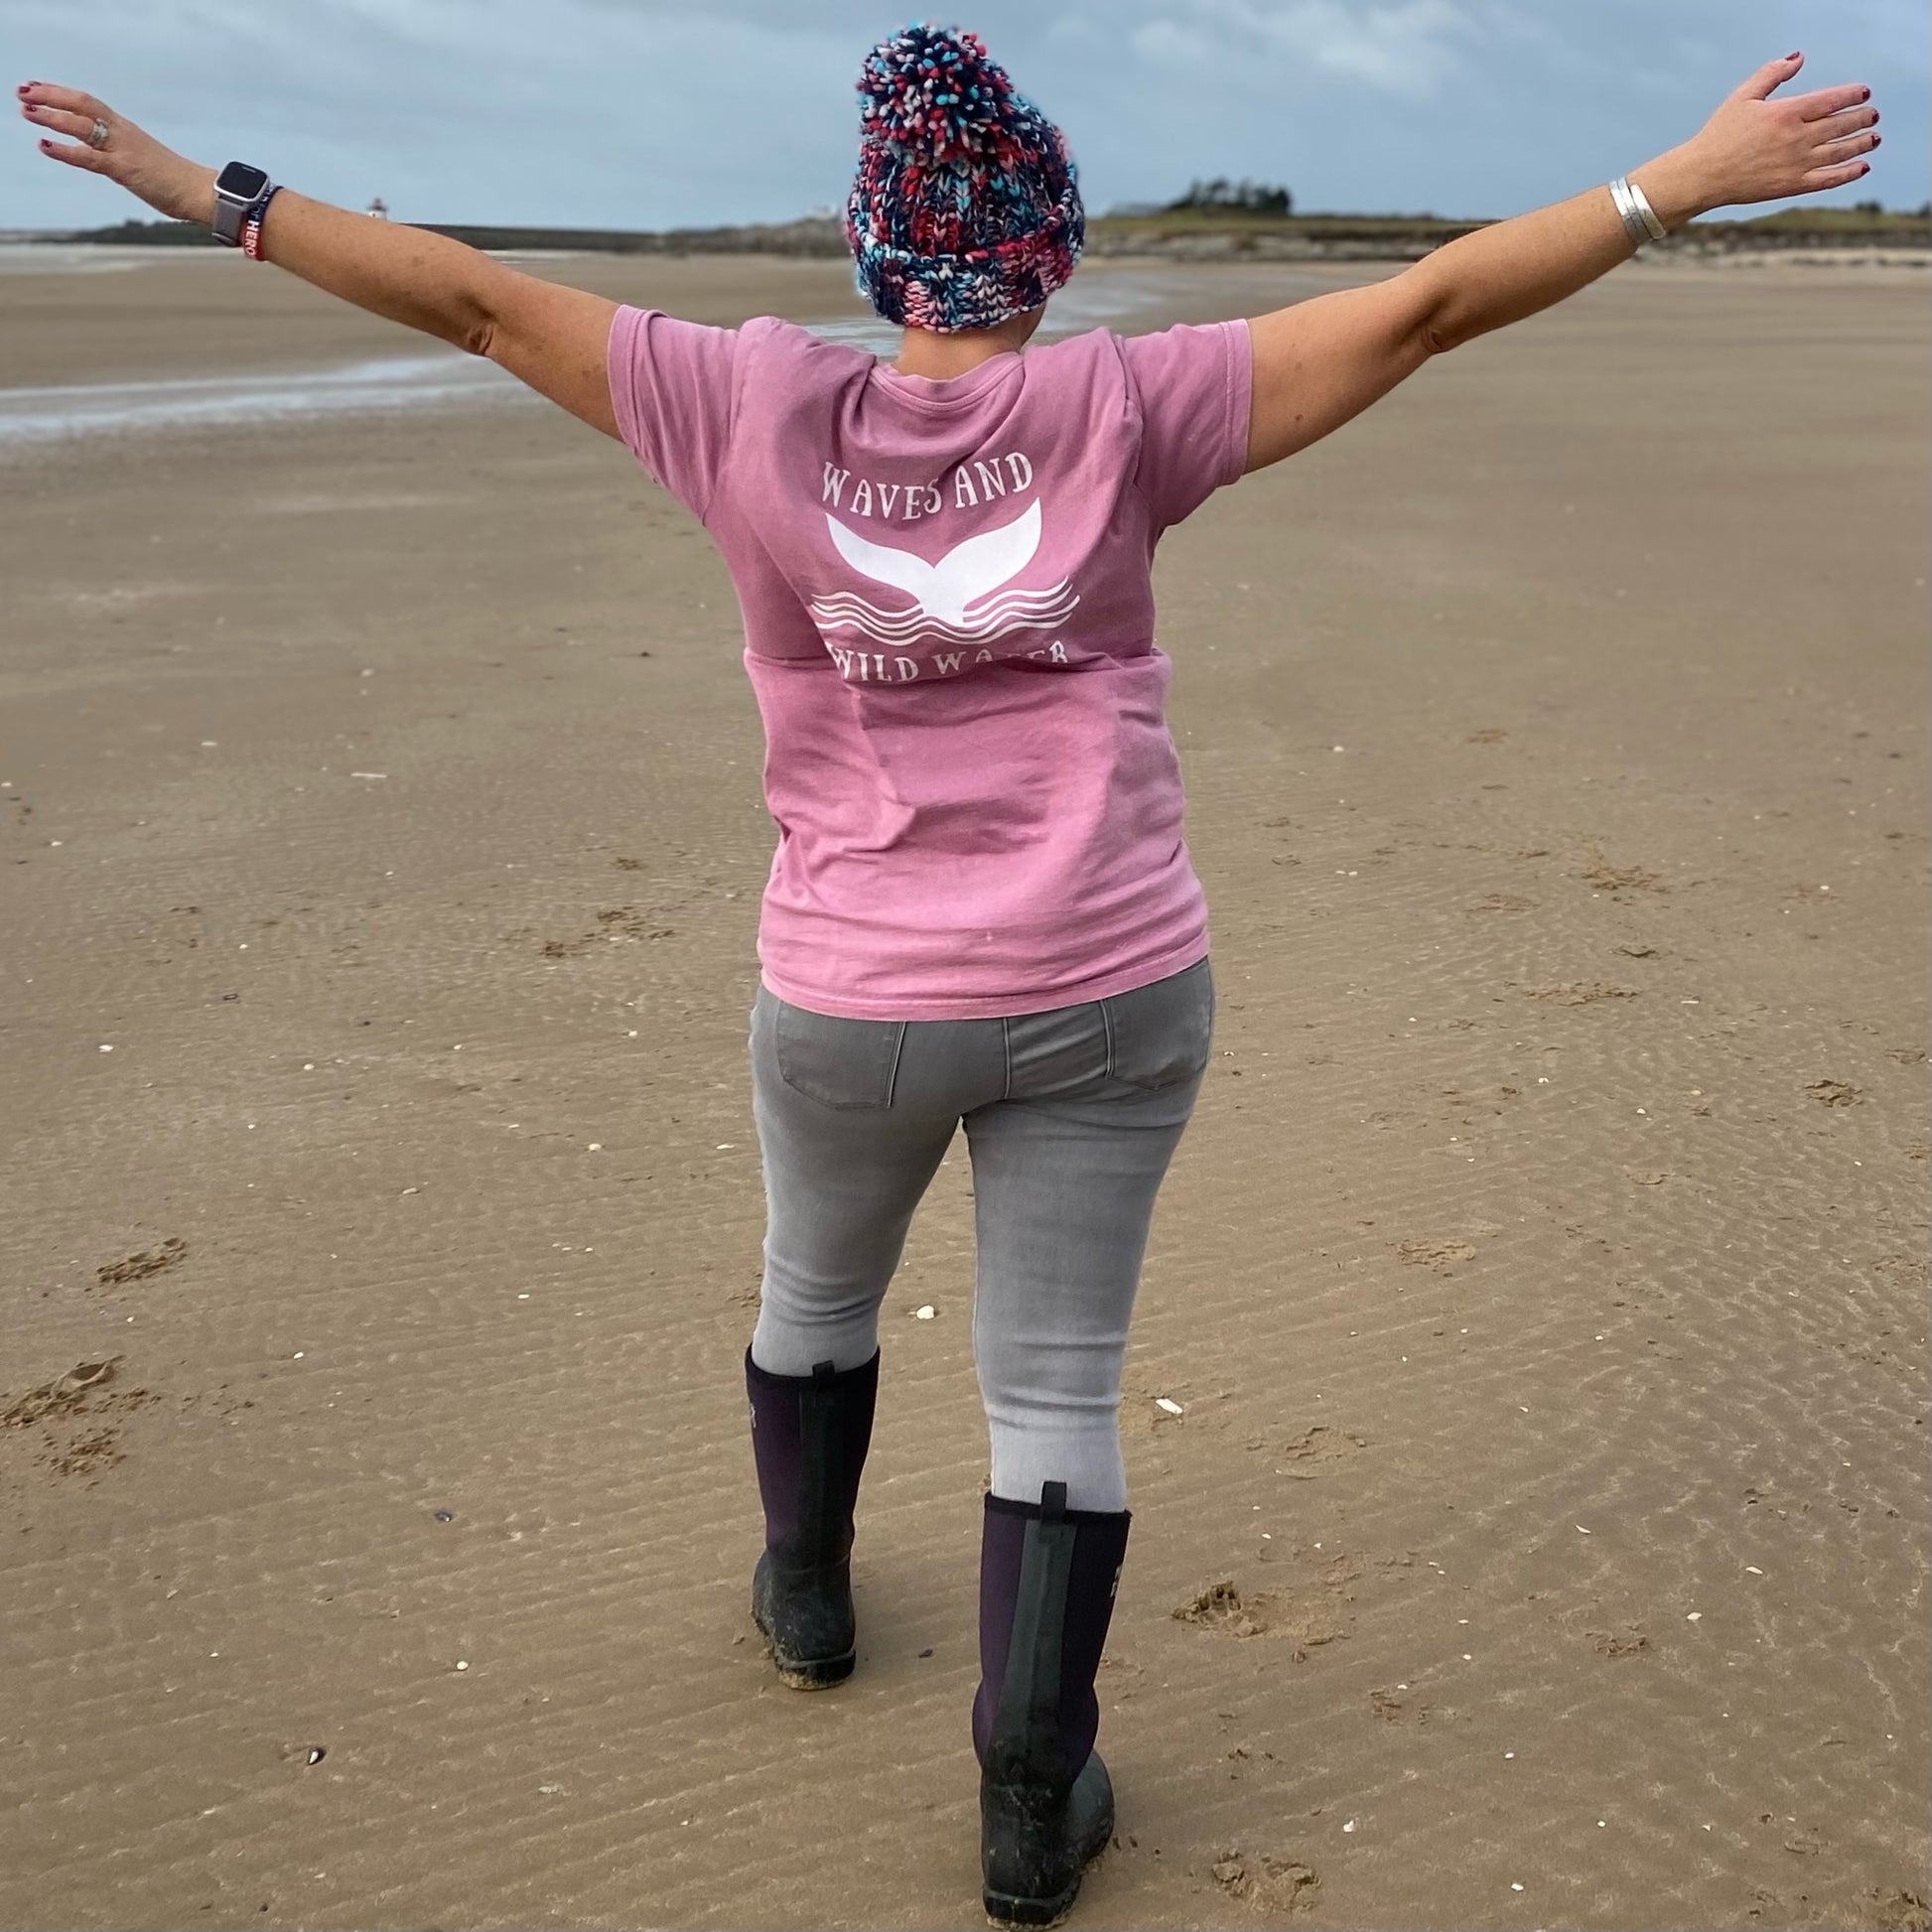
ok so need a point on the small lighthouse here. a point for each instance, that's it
(378, 209)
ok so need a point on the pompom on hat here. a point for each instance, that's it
(966, 207)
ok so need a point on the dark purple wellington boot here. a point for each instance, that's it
(809, 1434)
(1047, 1576)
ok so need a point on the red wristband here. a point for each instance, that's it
(251, 226)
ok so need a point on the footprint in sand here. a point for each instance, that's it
(1261, 1879)
(1435, 1254)
(145, 1265)
(68, 1415)
(1609, 878)
(1398, 1706)
(1580, 993)
(1619, 1643)
(1305, 1622)
(1316, 1444)
(66, 1395)
(1899, 1911)
(618, 922)
(1836, 1093)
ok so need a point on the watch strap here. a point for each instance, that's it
(231, 212)
(252, 223)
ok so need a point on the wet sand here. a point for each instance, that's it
(1542, 1281)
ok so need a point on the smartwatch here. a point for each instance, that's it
(240, 186)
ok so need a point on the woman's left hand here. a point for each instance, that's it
(169, 183)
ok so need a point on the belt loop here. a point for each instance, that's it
(1005, 1048)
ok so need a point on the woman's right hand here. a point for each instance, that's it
(169, 183)
(1756, 149)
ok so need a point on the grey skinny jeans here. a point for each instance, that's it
(1071, 1119)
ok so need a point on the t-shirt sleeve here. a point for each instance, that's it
(672, 393)
(1192, 386)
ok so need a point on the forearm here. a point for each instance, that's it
(409, 275)
(550, 336)
(1512, 269)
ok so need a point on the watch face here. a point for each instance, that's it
(241, 179)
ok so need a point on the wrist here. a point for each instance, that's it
(1678, 186)
(191, 197)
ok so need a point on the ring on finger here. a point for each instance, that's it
(98, 135)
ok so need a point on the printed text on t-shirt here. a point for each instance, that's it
(973, 483)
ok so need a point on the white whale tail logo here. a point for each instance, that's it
(944, 593)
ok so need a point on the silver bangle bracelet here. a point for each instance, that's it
(1639, 218)
(1626, 210)
(1658, 233)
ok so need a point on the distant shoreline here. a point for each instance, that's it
(1175, 234)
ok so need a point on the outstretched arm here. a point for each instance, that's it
(1320, 362)
(550, 336)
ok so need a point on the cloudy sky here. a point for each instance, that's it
(653, 113)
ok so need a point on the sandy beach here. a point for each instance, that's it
(1542, 1537)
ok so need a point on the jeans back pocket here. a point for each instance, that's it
(1161, 1034)
(845, 1064)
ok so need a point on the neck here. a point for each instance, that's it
(921, 353)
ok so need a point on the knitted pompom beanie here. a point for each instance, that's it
(966, 209)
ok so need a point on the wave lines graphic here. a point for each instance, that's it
(1005, 611)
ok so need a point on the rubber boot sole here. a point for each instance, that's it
(1019, 1820)
(797, 1670)
(808, 1673)
(1003, 1911)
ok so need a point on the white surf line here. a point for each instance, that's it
(54, 412)
(47, 258)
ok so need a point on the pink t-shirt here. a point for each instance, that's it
(949, 628)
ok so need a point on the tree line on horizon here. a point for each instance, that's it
(1221, 195)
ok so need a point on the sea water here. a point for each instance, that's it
(34, 416)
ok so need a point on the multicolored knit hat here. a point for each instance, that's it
(966, 209)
